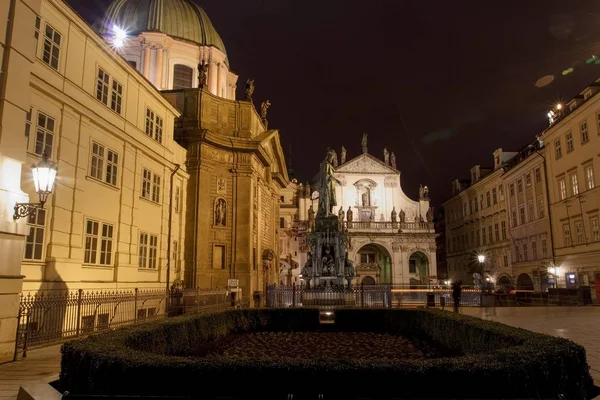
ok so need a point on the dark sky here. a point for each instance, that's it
(440, 83)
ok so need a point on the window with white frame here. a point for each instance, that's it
(530, 214)
(538, 175)
(544, 249)
(44, 135)
(148, 251)
(514, 218)
(34, 245)
(579, 234)
(483, 237)
(175, 255)
(506, 261)
(522, 215)
(36, 34)
(589, 177)
(525, 253)
(150, 185)
(528, 180)
(534, 250)
(574, 184)
(177, 199)
(496, 232)
(519, 185)
(585, 137)
(511, 189)
(154, 125)
(503, 225)
(540, 208)
(595, 228)
(569, 140)
(517, 253)
(52, 41)
(107, 87)
(501, 192)
(494, 196)
(567, 234)
(490, 235)
(28, 125)
(562, 189)
(557, 149)
(104, 164)
(98, 233)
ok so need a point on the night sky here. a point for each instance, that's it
(440, 83)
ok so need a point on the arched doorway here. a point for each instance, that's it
(418, 269)
(374, 261)
(524, 282)
(504, 283)
(368, 280)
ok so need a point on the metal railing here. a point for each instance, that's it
(50, 317)
(403, 296)
(366, 296)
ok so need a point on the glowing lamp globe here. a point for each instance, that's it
(44, 175)
(481, 258)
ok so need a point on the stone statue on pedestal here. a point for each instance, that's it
(421, 192)
(202, 75)
(311, 217)
(343, 155)
(307, 269)
(341, 214)
(349, 214)
(349, 267)
(425, 192)
(394, 214)
(393, 160)
(307, 190)
(328, 268)
(429, 214)
(327, 181)
(363, 143)
(386, 156)
(335, 159)
(402, 216)
(264, 108)
(365, 199)
(249, 90)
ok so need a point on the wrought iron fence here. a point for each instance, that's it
(49, 317)
(406, 296)
(367, 296)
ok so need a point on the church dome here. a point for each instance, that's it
(179, 19)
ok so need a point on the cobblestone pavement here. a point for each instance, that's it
(579, 324)
(40, 365)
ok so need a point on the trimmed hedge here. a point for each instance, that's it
(497, 361)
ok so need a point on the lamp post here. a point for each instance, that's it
(481, 259)
(44, 175)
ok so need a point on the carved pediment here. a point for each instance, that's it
(366, 163)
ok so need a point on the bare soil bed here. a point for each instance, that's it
(349, 345)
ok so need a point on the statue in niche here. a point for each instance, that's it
(249, 90)
(348, 267)
(402, 216)
(394, 214)
(328, 268)
(425, 192)
(341, 214)
(349, 214)
(386, 156)
(221, 213)
(363, 143)
(393, 160)
(264, 108)
(421, 192)
(327, 181)
(343, 155)
(307, 269)
(429, 214)
(202, 74)
(311, 217)
(365, 198)
(372, 216)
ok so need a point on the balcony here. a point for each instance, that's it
(389, 227)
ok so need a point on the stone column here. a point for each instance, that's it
(212, 77)
(242, 245)
(146, 65)
(220, 80)
(159, 68)
(14, 103)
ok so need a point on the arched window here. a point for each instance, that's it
(182, 76)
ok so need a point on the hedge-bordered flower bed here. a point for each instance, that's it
(498, 362)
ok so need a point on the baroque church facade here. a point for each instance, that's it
(392, 238)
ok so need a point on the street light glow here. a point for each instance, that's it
(481, 258)
(120, 35)
(559, 106)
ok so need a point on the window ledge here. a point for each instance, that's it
(147, 269)
(97, 266)
(150, 201)
(96, 180)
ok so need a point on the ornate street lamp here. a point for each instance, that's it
(481, 259)
(44, 175)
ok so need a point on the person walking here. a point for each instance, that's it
(456, 292)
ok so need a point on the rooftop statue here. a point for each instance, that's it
(202, 74)
(343, 155)
(363, 143)
(386, 156)
(249, 89)
(393, 160)
(327, 183)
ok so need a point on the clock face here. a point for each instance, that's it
(314, 195)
